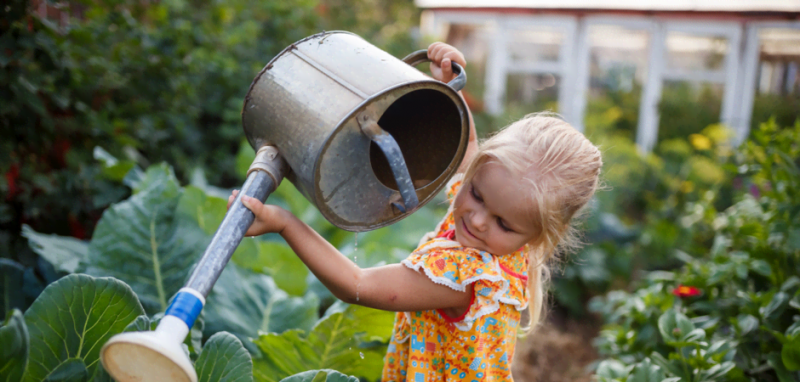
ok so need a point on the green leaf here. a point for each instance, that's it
(320, 376)
(11, 286)
(333, 343)
(72, 319)
(246, 303)
(71, 370)
(717, 371)
(613, 369)
(774, 360)
(113, 168)
(224, 359)
(646, 371)
(776, 306)
(16, 344)
(277, 260)
(673, 367)
(674, 326)
(64, 252)
(761, 267)
(204, 210)
(746, 323)
(140, 241)
(790, 354)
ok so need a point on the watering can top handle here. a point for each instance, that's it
(421, 56)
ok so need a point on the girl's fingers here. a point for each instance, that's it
(437, 53)
(232, 197)
(432, 49)
(456, 56)
(447, 70)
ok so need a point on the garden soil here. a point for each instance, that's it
(560, 351)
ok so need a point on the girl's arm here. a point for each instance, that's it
(391, 287)
(441, 55)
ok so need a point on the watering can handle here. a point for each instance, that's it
(421, 56)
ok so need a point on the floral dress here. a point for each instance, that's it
(478, 346)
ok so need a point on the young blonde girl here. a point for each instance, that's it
(460, 294)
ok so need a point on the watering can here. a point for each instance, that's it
(365, 137)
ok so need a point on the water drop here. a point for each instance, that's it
(355, 250)
(360, 354)
(358, 285)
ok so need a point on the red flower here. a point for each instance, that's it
(11, 179)
(686, 291)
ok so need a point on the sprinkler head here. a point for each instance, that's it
(150, 356)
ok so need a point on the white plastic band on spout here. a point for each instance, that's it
(172, 328)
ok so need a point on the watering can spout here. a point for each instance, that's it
(158, 355)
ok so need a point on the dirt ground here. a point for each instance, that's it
(560, 351)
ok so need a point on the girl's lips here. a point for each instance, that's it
(464, 224)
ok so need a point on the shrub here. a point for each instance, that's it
(731, 312)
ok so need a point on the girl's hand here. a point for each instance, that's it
(269, 218)
(441, 56)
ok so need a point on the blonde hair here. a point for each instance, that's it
(561, 168)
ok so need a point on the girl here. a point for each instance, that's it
(459, 296)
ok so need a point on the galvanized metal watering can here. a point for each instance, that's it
(364, 136)
(320, 102)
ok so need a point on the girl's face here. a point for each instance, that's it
(491, 212)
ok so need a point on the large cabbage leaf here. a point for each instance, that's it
(14, 352)
(224, 359)
(334, 343)
(64, 252)
(246, 303)
(141, 242)
(320, 376)
(69, 323)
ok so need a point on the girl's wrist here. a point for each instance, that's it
(286, 219)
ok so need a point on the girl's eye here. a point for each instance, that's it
(503, 226)
(475, 194)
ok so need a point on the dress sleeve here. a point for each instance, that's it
(454, 267)
(458, 267)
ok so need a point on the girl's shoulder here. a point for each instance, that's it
(497, 280)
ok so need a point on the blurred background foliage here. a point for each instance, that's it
(147, 82)
(96, 92)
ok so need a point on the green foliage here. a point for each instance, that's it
(143, 233)
(337, 341)
(247, 303)
(12, 282)
(743, 324)
(224, 359)
(641, 212)
(686, 109)
(71, 320)
(16, 343)
(320, 376)
(149, 82)
(65, 253)
(277, 260)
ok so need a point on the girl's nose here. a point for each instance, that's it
(480, 220)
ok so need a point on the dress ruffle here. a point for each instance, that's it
(446, 262)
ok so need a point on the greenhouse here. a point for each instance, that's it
(571, 50)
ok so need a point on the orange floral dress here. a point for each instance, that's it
(430, 346)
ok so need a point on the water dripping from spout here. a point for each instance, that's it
(355, 250)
